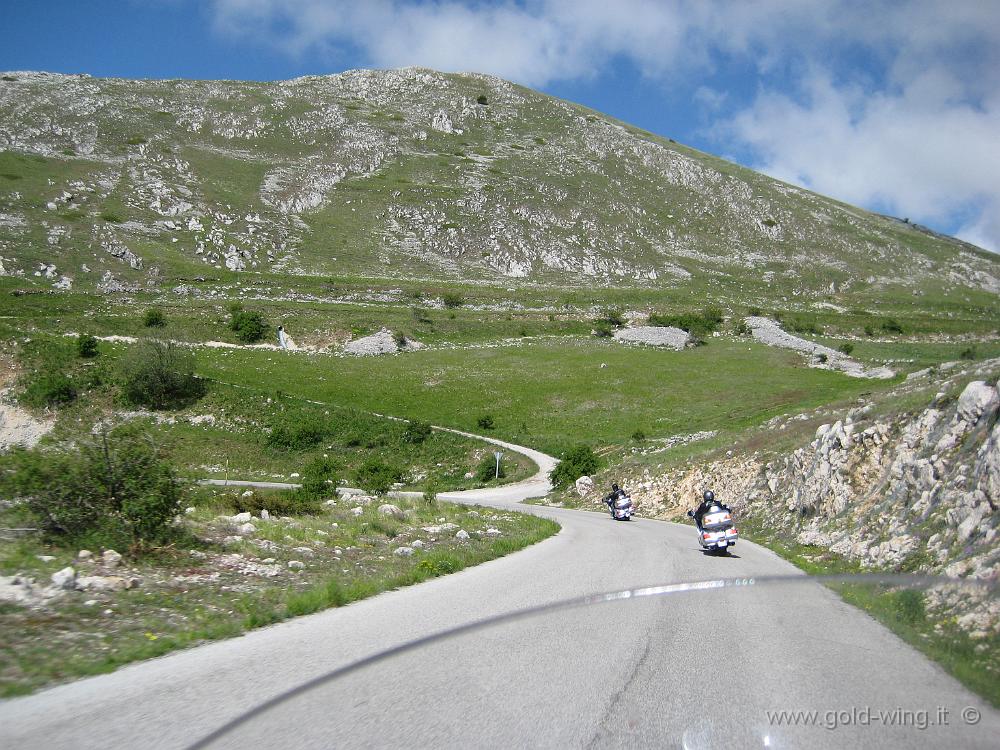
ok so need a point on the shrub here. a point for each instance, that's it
(891, 325)
(574, 463)
(86, 346)
(377, 477)
(968, 353)
(802, 325)
(154, 318)
(869, 330)
(160, 376)
(487, 469)
(250, 327)
(420, 315)
(113, 491)
(697, 324)
(48, 389)
(486, 422)
(319, 479)
(612, 316)
(742, 329)
(603, 330)
(452, 299)
(284, 503)
(481, 99)
(755, 311)
(299, 431)
(846, 348)
(416, 431)
(112, 217)
(400, 338)
(822, 358)
(638, 436)
(431, 489)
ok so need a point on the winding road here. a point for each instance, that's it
(695, 669)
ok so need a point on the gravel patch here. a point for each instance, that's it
(769, 332)
(673, 338)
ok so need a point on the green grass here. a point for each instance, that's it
(69, 639)
(550, 394)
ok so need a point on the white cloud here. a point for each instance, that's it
(897, 108)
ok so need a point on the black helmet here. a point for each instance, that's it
(709, 496)
(614, 487)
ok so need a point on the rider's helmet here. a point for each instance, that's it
(709, 496)
(614, 487)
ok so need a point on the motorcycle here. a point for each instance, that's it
(716, 533)
(621, 508)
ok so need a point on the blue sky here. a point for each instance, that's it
(894, 106)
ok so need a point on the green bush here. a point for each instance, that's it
(452, 299)
(755, 311)
(160, 376)
(319, 479)
(968, 353)
(802, 325)
(573, 464)
(639, 436)
(481, 99)
(420, 315)
(698, 324)
(603, 330)
(822, 358)
(250, 327)
(869, 330)
(86, 346)
(611, 316)
(417, 431)
(376, 476)
(846, 348)
(154, 318)
(48, 389)
(486, 422)
(487, 469)
(891, 325)
(112, 217)
(298, 431)
(742, 329)
(117, 490)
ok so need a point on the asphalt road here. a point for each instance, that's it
(694, 669)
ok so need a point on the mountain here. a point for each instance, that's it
(114, 184)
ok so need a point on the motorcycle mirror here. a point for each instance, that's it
(691, 513)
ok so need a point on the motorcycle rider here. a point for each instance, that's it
(616, 492)
(707, 503)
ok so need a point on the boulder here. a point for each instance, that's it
(246, 529)
(390, 510)
(296, 565)
(584, 486)
(403, 551)
(493, 532)
(242, 518)
(64, 579)
(84, 554)
(105, 584)
(111, 559)
(417, 544)
(462, 535)
(978, 400)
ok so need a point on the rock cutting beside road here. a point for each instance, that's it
(769, 332)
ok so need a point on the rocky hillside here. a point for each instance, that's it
(119, 184)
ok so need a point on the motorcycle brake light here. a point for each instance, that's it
(706, 535)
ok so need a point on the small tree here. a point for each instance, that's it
(250, 327)
(574, 463)
(319, 478)
(487, 469)
(452, 299)
(377, 477)
(160, 376)
(486, 422)
(417, 431)
(154, 318)
(117, 489)
(86, 346)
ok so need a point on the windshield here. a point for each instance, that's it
(770, 662)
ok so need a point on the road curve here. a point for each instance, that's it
(632, 674)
